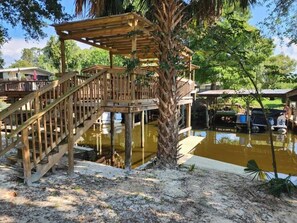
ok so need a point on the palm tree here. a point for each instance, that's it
(171, 17)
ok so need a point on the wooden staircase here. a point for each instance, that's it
(45, 124)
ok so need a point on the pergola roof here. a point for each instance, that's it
(265, 93)
(115, 33)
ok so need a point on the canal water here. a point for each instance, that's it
(234, 148)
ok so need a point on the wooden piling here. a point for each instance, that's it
(188, 119)
(142, 129)
(70, 137)
(128, 140)
(26, 157)
(111, 137)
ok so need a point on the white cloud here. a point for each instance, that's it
(283, 48)
(12, 50)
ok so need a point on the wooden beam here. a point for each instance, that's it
(112, 137)
(95, 33)
(63, 59)
(111, 59)
(94, 22)
(188, 120)
(26, 157)
(142, 129)
(128, 140)
(70, 137)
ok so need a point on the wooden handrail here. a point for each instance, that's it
(52, 105)
(11, 109)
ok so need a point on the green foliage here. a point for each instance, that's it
(253, 169)
(276, 186)
(192, 168)
(21, 63)
(281, 19)
(31, 15)
(1, 60)
(220, 48)
(49, 57)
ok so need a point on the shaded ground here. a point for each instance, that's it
(143, 196)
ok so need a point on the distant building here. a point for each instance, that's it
(29, 73)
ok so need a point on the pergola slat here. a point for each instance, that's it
(117, 34)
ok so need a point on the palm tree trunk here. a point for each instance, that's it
(168, 19)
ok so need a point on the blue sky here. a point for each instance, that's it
(12, 50)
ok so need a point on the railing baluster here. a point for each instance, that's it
(34, 144)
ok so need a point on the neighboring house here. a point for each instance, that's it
(29, 73)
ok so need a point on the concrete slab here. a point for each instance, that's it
(202, 162)
(98, 170)
(188, 144)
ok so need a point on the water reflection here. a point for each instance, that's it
(235, 148)
(101, 143)
(239, 148)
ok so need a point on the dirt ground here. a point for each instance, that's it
(201, 195)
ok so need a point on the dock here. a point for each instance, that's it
(188, 144)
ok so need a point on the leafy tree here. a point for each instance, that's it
(247, 58)
(282, 19)
(52, 53)
(29, 58)
(21, 63)
(31, 15)
(1, 60)
(94, 56)
(171, 18)
(277, 70)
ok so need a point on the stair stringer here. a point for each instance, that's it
(42, 169)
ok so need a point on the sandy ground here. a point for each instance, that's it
(202, 195)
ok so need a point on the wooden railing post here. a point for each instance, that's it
(105, 88)
(26, 157)
(133, 86)
(70, 137)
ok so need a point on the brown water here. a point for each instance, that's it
(235, 148)
(239, 148)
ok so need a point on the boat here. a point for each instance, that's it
(275, 117)
(105, 118)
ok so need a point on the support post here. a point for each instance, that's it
(128, 140)
(146, 117)
(133, 57)
(142, 129)
(188, 120)
(26, 158)
(70, 137)
(111, 137)
(63, 60)
(111, 59)
(207, 116)
(248, 116)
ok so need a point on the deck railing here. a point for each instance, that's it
(16, 114)
(19, 86)
(44, 131)
(120, 86)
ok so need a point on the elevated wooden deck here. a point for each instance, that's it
(19, 89)
(46, 123)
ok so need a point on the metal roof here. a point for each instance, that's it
(25, 69)
(243, 92)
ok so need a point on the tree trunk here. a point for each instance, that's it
(168, 19)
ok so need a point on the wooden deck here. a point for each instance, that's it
(46, 122)
(19, 89)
